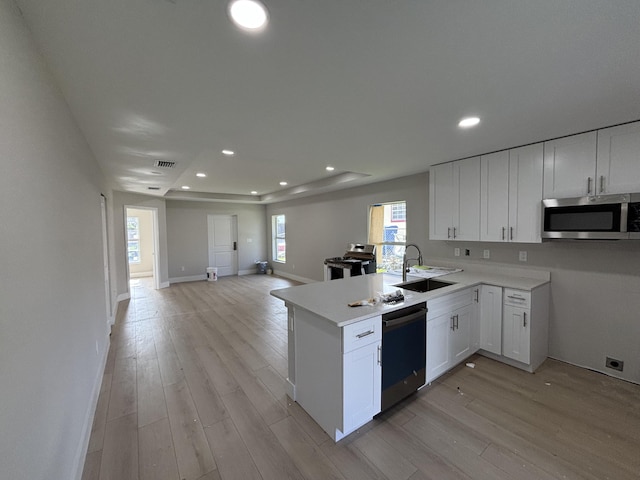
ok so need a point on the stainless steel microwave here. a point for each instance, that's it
(601, 217)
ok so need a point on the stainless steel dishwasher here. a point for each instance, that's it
(403, 353)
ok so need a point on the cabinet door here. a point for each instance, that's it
(491, 319)
(438, 358)
(570, 166)
(441, 198)
(460, 336)
(362, 385)
(466, 177)
(525, 194)
(619, 159)
(516, 333)
(494, 197)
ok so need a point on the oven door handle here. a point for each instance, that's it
(394, 322)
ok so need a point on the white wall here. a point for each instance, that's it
(187, 235)
(323, 226)
(595, 286)
(53, 325)
(145, 231)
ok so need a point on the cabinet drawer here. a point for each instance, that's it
(361, 333)
(517, 298)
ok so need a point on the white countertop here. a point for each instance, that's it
(330, 299)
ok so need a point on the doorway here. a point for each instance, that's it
(141, 230)
(223, 243)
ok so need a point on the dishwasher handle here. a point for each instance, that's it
(396, 322)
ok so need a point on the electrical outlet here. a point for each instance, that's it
(486, 254)
(614, 364)
(467, 252)
(456, 252)
(523, 256)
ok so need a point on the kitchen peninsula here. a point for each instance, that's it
(334, 351)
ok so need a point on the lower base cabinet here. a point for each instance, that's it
(338, 377)
(362, 385)
(449, 332)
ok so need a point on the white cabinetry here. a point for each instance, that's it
(511, 195)
(491, 319)
(618, 160)
(570, 166)
(449, 332)
(362, 372)
(525, 326)
(454, 194)
(338, 372)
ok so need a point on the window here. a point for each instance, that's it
(388, 232)
(398, 212)
(133, 239)
(278, 241)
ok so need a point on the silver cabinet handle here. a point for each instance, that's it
(516, 297)
(477, 295)
(524, 318)
(601, 183)
(453, 325)
(510, 233)
(365, 334)
(454, 232)
(448, 232)
(588, 185)
(379, 355)
(503, 229)
(457, 324)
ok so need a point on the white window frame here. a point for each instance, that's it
(133, 237)
(278, 239)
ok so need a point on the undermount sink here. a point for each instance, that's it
(424, 285)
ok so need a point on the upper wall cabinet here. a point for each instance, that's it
(618, 165)
(593, 163)
(454, 194)
(570, 166)
(511, 195)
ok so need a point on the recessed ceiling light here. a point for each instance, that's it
(283, 184)
(330, 168)
(248, 14)
(201, 175)
(469, 122)
(253, 192)
(228, 152)
(185, 187)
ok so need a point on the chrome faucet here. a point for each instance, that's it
(405, 260)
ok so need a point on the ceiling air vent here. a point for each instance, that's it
(164, 164)
(153, 188)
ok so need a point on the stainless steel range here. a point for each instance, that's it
(359, 259)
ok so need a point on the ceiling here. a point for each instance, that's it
(374, 88)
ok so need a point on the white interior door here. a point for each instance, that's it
(223, 243)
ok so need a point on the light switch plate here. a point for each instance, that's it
(523, 256)
(486, 254)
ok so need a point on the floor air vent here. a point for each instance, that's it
(153, 188)
(164, 164)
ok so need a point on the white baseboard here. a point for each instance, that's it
(294, 277)
(251, 271)
(191, 278)
(165, 284)
(83, 445)
(121, 297)
(291, 389)
(140, 274)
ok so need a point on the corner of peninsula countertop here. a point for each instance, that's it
(330, 299)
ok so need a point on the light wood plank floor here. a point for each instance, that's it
(194, 389)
